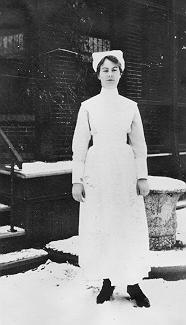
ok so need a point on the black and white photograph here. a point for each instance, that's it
(92, 162)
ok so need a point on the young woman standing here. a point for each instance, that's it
(110, 180)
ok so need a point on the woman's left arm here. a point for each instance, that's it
(138, 144)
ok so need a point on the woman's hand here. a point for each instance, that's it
(142, 187)
(78, 192)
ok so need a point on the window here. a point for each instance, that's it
(11, 45)
(94, 44)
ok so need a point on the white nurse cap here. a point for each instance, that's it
(98, 56)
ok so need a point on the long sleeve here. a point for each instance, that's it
(80, 144)
(138, 144)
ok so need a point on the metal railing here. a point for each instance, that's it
(16, 159)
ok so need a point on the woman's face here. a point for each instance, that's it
(109, 74)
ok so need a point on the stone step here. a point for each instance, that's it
(169, 265)
(4, 207)
(65, 250)
(21, 261)
(181, 204)
(168, 273)
(6, 233)
(4, 214)
(12, 241)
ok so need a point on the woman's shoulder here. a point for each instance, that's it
(128, 105)
(128, 101)
(90, 100)
(90, 103)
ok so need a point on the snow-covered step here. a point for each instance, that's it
(4, 214)
(65, 250)
(6, 233)
(4, 207)
(168, 273)
(40, 168)
(20, 261)
(181, 204)
(174, 257)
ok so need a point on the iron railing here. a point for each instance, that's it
(16, 159)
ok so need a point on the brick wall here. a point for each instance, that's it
(20, 129)
(16, 114)
(55, 126)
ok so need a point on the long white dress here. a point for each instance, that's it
(113, 228)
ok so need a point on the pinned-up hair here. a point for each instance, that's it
(110, 58)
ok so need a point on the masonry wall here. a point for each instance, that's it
(56, 121)
(16, 112)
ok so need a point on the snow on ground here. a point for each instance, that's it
(56, 294)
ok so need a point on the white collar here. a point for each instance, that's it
(109, 92)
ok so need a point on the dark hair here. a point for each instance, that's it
(110, 58)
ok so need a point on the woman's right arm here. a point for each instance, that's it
(80, 144)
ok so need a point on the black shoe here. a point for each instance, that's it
(106, 292)
(136, 293)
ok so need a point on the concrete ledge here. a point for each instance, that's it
(168, 273)
(21, 261)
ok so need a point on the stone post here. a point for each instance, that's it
(160, 207)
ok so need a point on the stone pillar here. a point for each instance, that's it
(160, 207)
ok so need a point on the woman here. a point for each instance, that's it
(110, 180)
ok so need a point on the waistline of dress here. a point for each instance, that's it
(110, 145)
